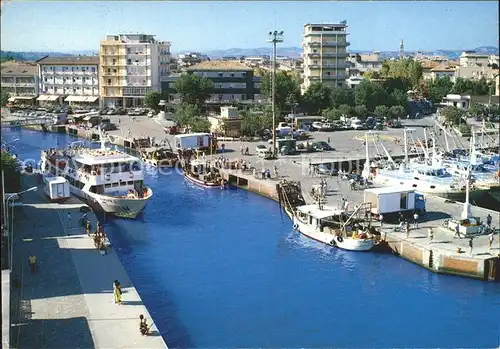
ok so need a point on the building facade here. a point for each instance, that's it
(233, 82)
(131, 65)
(324, 52)
(20, 81)
(361, 63)
(72, 79)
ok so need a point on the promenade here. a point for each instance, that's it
(68, 302)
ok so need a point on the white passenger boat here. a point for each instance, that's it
(332, 226)
(106, 179)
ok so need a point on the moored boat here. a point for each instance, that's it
(202, 174)
(334, 227)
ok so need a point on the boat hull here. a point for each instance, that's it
(345, 243)
(203, 184)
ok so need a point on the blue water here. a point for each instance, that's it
(225, 269)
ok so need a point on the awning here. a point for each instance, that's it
(52, 98)
(75, 99)
(11, 99)
(26, 98)
(42, 98)
(91, 99)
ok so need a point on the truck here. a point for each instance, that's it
(390, 202)
(195, 141)
(56, 188)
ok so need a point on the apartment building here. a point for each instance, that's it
(72, 79)
(360, 63)
(131, 65)
(233, 82)
(190, 58)
(20, 81)
(324, 52)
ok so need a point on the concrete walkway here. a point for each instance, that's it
(69, 302)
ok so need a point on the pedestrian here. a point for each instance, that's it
(401, 218)
(143, 326)
(129, 133)
(328, 140)
(407, 227)
(242, 149)
(88, 227)
(351, 183)
(457, 231)
(471, 244)
(490, 240)
(381, 219)
(488, 220)
(32, 263)
(70, 225)
(431, 235)
(415, 219)
(117, 292)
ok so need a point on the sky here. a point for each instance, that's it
(66, 26)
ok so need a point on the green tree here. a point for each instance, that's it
(317, 97)
(199, 124)
(478, 109)
(12, 171)
(347, 110)
(185, 112)
(255, 121)
(361, 111)
(193, 89)
(342, 96)
(286, 85)
(479, 87)
(152, 99)
(453, 115)
(406, 69)
(382, 111)
(4, 98)
(399, 97)
(398, 83)
(372, 74)
(397, 111)
(370, 95)
(439, 88)
(332, 114)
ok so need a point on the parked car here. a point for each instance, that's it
(321, 146)
(326, 169)
(394, 124)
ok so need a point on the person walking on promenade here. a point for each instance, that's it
(488, 220)
(381, 219)
(117, 292)
(69, 222)
(457, 231)
(88, 227)
(32, 263)
(431, 235)
(328, 140)
(401, 218)
(415, 220)
(471, 245)
(407, 226)
(242, 149)
(143, 326)
(490, 240)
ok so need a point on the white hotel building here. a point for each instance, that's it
(130, 66)
(68, 80)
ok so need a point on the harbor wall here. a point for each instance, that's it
(436, 261)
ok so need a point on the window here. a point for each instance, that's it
(329, 73)
(220, 74)
(243, 74)
(115, 185)
(109, 81)
(109, 70)
(130, 182)
(93, 69)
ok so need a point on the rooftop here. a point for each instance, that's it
(443, 67)
(99, 156)
(14, 68)
(220, 65)
(69, 60)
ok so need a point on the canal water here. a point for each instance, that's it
(223, 268)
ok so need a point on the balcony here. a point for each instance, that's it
(326, 43)
(339, 65)
(7, 84)
(326, 54)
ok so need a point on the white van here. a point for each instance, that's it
(356, 124)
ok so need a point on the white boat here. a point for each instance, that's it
(331, 226)
(106, 179)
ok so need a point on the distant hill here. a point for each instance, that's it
(28, 56)
(296, 52)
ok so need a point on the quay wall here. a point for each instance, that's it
(431, 259)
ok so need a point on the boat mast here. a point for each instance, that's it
(466, 212)
(406, 146)
(366, 168)
(101, 138)
(426, 150)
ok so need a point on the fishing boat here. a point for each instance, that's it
(158, 157)
(334, 227)
(202, 174)
(106, 179)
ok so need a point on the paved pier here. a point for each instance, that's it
(69, 302)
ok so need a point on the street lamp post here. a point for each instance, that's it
(11, 227)
(274, 38)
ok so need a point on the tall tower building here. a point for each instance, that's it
(324, 52)
(130, 66)
(401, 49)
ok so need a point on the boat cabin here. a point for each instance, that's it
(316, 217)
(203, 171)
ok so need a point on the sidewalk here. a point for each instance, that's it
(69, 302)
